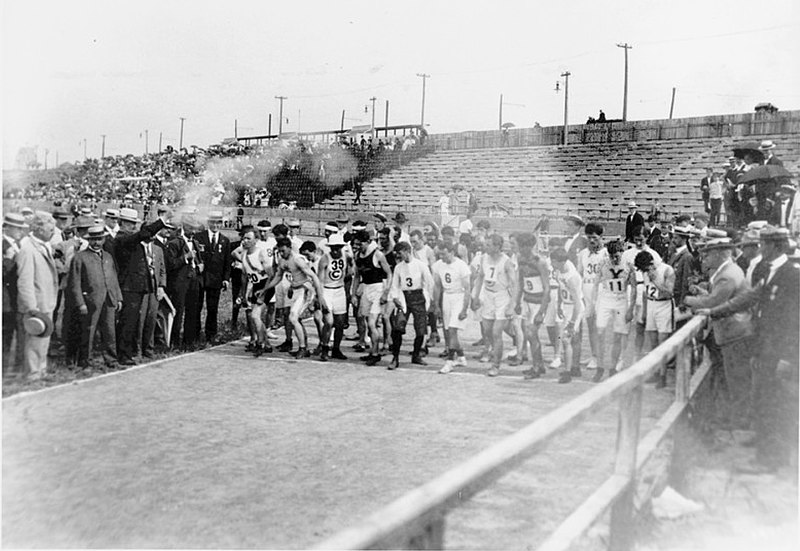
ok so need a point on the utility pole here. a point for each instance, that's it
(566, 74)
(372, 99)
(342, 128)
(146, 141)
(235, 129)
(386, 123)
(84, 149)
(424, 78)
(626, 47)
(500, 124)
(180, 143)
(159, 141)
(280, 114)
(672, 103)
(46, 151)
(269, 125)
(103, 148)
(56, 159)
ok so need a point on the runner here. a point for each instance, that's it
(334, 267)
(615, 281)
(659, 311)
(370, 287)
(495, 285)
(257, 266)
(589, 260)
(570, 303)
(411, 290)
(628, 258)
(532, 299)
(451, 277)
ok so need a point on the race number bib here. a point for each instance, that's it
(490, 278)
(651, 291)
(614, 285)
(336, 269)
(532, 285)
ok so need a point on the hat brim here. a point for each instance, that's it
(38, 324)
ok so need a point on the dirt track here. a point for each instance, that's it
(220, 450)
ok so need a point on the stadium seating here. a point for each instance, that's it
(595, 181)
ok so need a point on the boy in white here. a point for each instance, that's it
(570, 301)
(659, 311)
(451, 277)
(615, 281)
(589, 260)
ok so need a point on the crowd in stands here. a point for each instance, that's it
(283, 172)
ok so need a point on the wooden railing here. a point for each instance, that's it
(417, 519)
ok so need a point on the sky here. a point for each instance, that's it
(75, 70)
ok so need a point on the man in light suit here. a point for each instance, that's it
(732, 333)
(37, 288)
(93, 288)
(215, 256)
(577, 240)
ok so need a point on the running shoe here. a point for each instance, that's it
(336, 354)
(592, 364)
(556, 363)
(461, 361)
(484, 358)
(494, 371)
(447, 368)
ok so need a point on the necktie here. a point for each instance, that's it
(213, 242)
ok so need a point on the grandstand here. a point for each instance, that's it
(592, 180)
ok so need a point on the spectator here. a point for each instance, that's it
(715, 196)
(14, 228)
(576, 240)
(633, 220)
(444, 207)
(215, 256)
(466, 225)
(704, 189)
(766, 148)
(37, 290)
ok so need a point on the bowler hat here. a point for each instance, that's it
(38, 324)
(15, 220)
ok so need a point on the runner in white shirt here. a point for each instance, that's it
(257, 267)
(613, 305)
(589, 260)
(570, 301)
(411, 292)
(659, 310)
(495, 285)
(334, 267)
(451, 277)
(628, 257)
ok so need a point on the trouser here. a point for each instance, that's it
(35, 356)
(129, 337)
(212, 305)
(738, 377)
(415, 304)
(100, 318)
(9, 328)
(775, 408)
(716, 206)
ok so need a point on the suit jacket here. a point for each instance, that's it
(773, 161)
(125, 243)
(656, 242)
(631, 221)
(179, 271)
(217, 262)
(136, 278)
(685, 266)
(777, 313)
(704, 183)
(9, 275)
(726, 283)
(92, 280)
(37, 279)
(577, 245)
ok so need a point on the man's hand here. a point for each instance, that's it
(476, 303)
(538, 319)
(398, 303)
(225, 285)
(629, 316)
(83, 309)
(119, 306)
(569, 330)
(462, 315)
(160, 294)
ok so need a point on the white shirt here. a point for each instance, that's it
(452, 275)
(444, 204)
(465, 226)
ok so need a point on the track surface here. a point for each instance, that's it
(220, 450)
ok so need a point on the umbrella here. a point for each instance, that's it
(751, 148)
(765, 172)
(508, 125)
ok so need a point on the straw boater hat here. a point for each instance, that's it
(574, 218)
(359, 225)
(15, 220)
(750, 237)
(294, 223)
(38, 324)
(766, 145)
(343, 218)
(129, 215)
(215, 216)
(380, 216)
(684, 231)
(336, 240)
(716, 244)
(61, 214)
(771, 233)
(26, 211)
(331, 227)
(82, 222)
(111, 213)
(96, 231)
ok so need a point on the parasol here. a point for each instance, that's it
(740, 151)
(765, 173)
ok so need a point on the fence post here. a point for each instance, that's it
(681, 449)
(622, 526)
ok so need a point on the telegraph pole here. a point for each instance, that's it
(500, 124)
(280, 114)
(566, 74)
(46, 151)
(386, 117)
(84, 149)
(672, 103)
(626, 47)
(146, 141)
(372, 99)
(235, 129)
(103, 148)
(180, 143)
(342, 127)
(424, 78)
(159, 141)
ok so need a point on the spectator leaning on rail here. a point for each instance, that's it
(731, 333)
(37, 290)
(777, 325)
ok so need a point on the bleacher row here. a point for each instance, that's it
(593, 180)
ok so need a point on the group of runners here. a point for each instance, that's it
(511, 286)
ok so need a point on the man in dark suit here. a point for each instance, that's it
(160, 240)
(776, 297)
(183, 283)
(14, 228)
(143, 278)
(633, 220)
(766, 148)
(215, 255)
(576, 240)
(93, 288)
(705, 184)
(684, 262)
